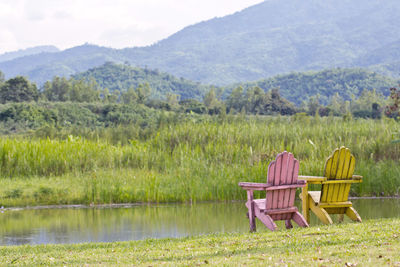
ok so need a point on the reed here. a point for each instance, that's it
(195, 160)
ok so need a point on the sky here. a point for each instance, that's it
(111, 23)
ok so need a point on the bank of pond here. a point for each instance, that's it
(371, 243)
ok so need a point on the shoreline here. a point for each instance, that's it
(129, 205)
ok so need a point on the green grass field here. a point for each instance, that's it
(197, 160)
(371, 243)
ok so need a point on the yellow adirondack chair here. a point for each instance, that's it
(334, 194)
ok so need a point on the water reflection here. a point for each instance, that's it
(141, 222)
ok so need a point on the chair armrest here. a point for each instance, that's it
(287, 186)
(268, 187)
(254, 186)
(312, 179)
(324, 180)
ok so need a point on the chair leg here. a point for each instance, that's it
(288, 224)
(352, 213)
(267, 221)
(299, 219)
(305, 203)
(252, 221)
(321, 214)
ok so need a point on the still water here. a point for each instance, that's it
(42, 226)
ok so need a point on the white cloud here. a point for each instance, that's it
(114, 23)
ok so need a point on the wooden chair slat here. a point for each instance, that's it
(284, 168)
(341, 160)
(295, 174)
(352, 166)
(282, 179)
(336, 190)
(334, 165)
(271, 176)
(346, 165)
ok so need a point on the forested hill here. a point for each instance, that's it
(300, 86)
(273, 37)
(296, 87)
(122, 77)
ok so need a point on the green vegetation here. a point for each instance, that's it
(78, 143)
(371, 243)
(18, 89)
(337, 92)
(94, 120)
(195, 160)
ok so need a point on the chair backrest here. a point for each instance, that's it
(339, 166)
(283, 170)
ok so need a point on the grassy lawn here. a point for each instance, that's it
(371, 243)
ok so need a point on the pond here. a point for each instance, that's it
(77, 225)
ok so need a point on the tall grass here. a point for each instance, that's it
(194, 161)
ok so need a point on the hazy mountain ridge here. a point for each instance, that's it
(28, 52)
(273, 37)
(43, 67)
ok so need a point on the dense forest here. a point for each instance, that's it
(270, 38)
(347, 83)
(81, 104)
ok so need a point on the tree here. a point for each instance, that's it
(392, 110)
(212, 102)
(255, 100)
(173, 101)
(82, 91)
(130, 96)
(368, 104)
(192, 105)
(235, 100)
(2, 78)
(57, 90)
(313, 105)
(18, 89)
(337, 105)
(143, 92)
(61, 89)
(274, 103)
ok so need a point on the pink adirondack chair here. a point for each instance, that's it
(280, 193)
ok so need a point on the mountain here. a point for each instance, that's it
(27, 52)
(122, 77)
(43, 67)
(299, 86)
(273, 37)
(385, 59)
